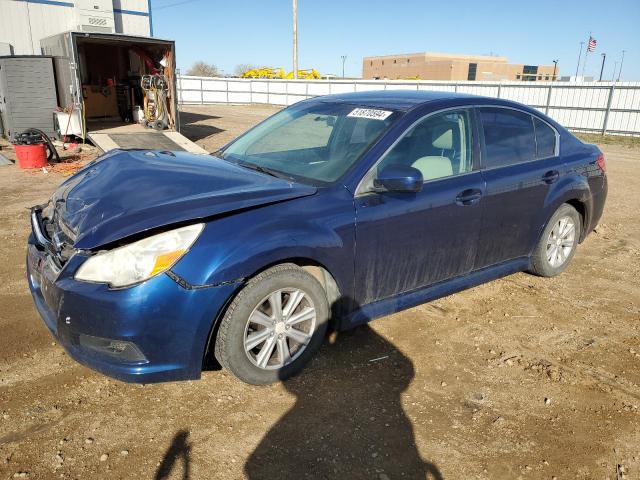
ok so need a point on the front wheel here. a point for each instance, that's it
(273, 326)
(558, 242)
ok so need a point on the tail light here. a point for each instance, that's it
(602, 165)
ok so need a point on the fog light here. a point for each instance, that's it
(117, 349)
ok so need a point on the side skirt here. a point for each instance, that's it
(410, 299)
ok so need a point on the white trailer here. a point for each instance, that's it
(99, 85)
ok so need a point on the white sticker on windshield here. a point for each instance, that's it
(371, 113)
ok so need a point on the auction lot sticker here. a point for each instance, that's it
(371, 113)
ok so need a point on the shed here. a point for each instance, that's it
(27, 94)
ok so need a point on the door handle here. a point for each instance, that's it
(551, 176)
(468, 197)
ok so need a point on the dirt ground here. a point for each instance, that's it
(523, 377)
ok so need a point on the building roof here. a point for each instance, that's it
(446, 56)
(394, 99)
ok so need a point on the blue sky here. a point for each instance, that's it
(227, 33)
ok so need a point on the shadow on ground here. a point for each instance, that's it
(348, 420)
(178, 452)
(193, 126)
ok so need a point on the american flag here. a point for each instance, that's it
(592, 44)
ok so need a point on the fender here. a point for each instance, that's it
(239, 245)
(567, 189)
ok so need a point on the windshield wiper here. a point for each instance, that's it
(267, 171)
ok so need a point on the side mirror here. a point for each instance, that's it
(399, 178)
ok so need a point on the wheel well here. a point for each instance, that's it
(582, 210)
(318, 271)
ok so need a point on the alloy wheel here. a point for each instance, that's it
(561, 241)
(279, 328)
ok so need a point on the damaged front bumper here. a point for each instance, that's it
(152, 332)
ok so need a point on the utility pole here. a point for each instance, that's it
(621, 62)
(604, 57)
(343, 57)
(615, 66)
(579, 57)
(555, 68)
(295, 38)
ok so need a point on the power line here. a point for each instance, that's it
(170, 5)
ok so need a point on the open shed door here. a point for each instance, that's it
(136, 136)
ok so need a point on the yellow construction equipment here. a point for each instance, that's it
(264, 72)
(309, 74)
(270, 72)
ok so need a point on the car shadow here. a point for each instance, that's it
(348, 420)
(179, 450)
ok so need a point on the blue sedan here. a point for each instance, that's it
(338, 209)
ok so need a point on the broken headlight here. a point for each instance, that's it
(141, 260)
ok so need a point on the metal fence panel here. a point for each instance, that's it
(595, 106)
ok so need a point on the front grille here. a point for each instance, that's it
(55, 236)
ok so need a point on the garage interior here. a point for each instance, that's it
(113, 90)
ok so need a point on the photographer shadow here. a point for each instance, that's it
(348, 420)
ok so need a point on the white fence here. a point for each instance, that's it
(602, 107)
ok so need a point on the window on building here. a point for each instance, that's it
(545, 139)
(530, 73)
(394, 60)
(509, 136)
(518, 77)
(473, 68)
(546, 77)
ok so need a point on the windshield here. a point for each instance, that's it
(317, 142)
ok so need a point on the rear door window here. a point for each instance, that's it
(509, 136)
(545, 139)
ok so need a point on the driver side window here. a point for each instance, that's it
(440, 146)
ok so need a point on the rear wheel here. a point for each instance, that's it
(558, 242)
(274, 326)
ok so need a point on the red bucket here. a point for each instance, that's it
(31, 156)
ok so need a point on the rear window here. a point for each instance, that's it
(545, 139)
(509, 136)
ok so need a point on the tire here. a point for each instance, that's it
(549, 260)
(239, 330)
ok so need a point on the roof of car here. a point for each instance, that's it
(395, 99)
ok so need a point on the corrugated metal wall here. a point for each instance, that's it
(594, 106)
(28, 94)
(23, 23)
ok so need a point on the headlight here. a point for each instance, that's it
(141, 260)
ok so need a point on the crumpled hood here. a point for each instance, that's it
(127, 192)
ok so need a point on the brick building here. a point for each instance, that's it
(445, 66)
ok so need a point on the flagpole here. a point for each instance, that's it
(586, 54)
(579, 57)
